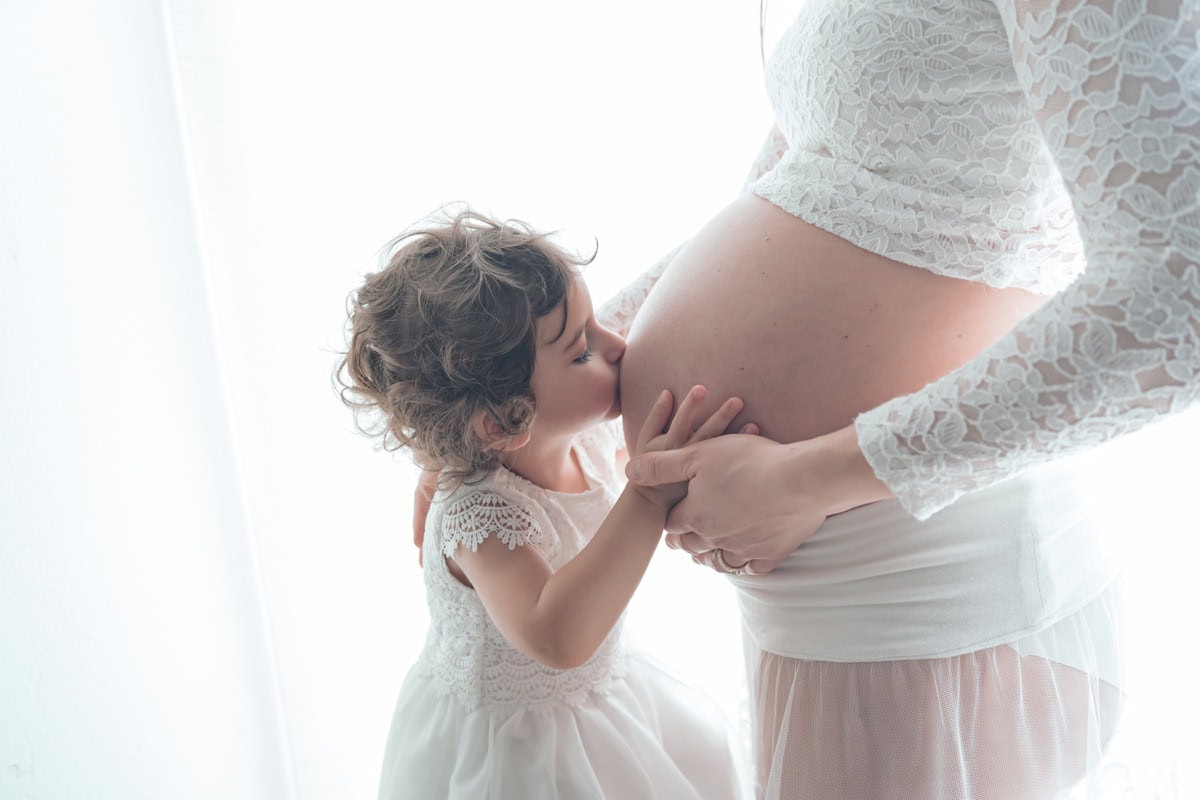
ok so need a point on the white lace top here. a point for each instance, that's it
(465, 654)
(1003, 141)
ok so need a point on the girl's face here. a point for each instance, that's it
(577, 367)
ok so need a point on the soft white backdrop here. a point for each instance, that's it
(207, 585)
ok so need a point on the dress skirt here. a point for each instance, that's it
(976, 655)
(647, 736)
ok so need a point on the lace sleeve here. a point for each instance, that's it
(773, 148)
(469, 520)
(618, 312)
(1115, 89)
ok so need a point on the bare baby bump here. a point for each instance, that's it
(807, 328)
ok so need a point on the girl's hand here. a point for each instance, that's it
(756, 500)
(685, 429)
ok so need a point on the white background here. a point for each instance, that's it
(207, 584)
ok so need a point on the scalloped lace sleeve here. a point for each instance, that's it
(618, 312)
(469, 520)
(1115, 89)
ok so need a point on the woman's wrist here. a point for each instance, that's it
(833, 470)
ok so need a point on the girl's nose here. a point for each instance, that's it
(614, 346)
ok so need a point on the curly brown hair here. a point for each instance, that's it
(446, 328)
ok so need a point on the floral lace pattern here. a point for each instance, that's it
(772, 150)
(909, 136)
(1114, 89)
(618, 311)
(465, 654)
(1002, 142)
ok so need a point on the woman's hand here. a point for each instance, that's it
(756, 500)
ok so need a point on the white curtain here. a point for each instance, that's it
(207, 585)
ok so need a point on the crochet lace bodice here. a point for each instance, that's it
(1007, 142)
(465, 654)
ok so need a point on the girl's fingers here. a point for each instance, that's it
(749, 428)
(686, 418)
(660, 412)
(719, 421)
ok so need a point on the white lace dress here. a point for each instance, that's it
(479, 720)
(1051, 145)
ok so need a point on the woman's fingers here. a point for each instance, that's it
(725, 563)
(719, 421)
(761, 566)
(656, 421)
(689, 542)
(667, 466)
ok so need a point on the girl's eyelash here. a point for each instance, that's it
(585, 357)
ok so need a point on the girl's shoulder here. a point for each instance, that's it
(489, 507)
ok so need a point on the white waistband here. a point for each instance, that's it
(875, 584)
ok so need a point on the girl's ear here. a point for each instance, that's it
(493, 436)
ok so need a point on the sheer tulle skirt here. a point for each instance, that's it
(975, 655)
(1026, 719)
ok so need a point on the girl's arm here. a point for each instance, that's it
(560, 618)
(618, 312)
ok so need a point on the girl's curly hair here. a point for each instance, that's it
(446, 328)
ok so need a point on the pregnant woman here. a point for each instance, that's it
(901, 299)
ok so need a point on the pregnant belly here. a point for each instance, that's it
(807, 328)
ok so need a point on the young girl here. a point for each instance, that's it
(476, 348)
